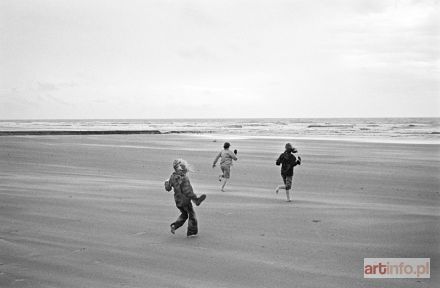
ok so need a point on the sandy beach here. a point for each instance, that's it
(91, 211)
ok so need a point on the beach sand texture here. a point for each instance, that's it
(91, 211)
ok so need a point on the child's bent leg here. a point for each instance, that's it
(224, 181)
(192, 221)
(221, 176)
(280, 187)
(200, 199)
(226, 174)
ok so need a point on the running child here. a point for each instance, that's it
(226, 156)
(183, 194)
(287, 161)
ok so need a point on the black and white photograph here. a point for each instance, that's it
(219, 144)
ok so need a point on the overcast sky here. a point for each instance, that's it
(215, 59)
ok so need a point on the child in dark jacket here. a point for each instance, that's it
(287, 161)
(183, 194)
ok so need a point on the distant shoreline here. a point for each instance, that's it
(94, 132)
(216, 119)
(214, 136)
(358, 130)
(76, 132)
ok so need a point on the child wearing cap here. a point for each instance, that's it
(183, 194)
(226, 156)
(287, 161)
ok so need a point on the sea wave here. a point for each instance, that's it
(330, 126)
(364, 128)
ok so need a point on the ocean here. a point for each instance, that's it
(408, 130)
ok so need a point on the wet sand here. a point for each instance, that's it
(91, 211)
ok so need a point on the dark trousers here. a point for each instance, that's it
(187, 213)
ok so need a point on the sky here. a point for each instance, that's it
(63, 59)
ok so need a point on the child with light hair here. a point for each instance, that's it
(183, 194)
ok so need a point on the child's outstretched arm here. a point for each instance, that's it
(216, 159)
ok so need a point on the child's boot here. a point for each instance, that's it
(200, 199)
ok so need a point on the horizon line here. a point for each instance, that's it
(217, 118)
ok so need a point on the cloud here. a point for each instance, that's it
(53, 86)
(402, 33)
(135, 58)
(196, 52)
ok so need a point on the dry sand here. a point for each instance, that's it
(91, 211)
